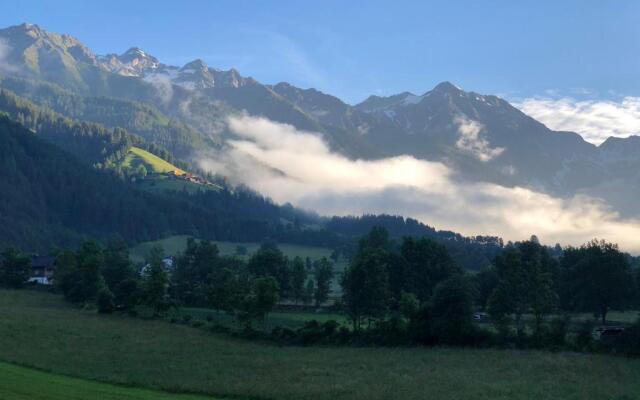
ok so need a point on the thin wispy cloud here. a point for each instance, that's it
(296, 61)
(472, 142)
(298, 167)
(595, 120)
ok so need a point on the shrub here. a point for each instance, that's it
(105, 301)
(556, 335)
(583, 340)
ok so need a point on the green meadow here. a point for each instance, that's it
(41, 331)
(173, 245)
(20, 383)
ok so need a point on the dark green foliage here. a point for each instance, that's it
(471, 253)
(309, 290)
(79, 275)
(223, 289)
(485, 283)
(106, 301)
(259, 300)
(323, 273)
(629, 340)
(15, 268)
(127, 293)
(66, 273)
(451, 309)
(270, 261)
(525, 283)
(298, 278)
(597, 277)
(193, 272)
(156, 282)
(408, 304)
(426, 264)
(117, 265)
(89, 142)
(365, 282)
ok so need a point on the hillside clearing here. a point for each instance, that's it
(137, 156)
(41, 331)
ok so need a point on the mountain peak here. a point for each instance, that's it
(27, 26)
(446, 87)
(196, 64)
(135, 51)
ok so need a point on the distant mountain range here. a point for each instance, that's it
(482, 137)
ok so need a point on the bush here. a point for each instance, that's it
(583, 340)
(197, 323)
(451, 310)
(556, 335)
(628, 342)
(105, 301)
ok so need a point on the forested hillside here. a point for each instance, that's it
(142, 119)
(50, 198)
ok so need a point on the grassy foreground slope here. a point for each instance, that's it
(40, 330)
(19, 383)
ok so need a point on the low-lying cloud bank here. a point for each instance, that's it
(298, 167)
(594, 120)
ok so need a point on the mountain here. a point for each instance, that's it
(481, 137)
(485, 138)
(133, 62)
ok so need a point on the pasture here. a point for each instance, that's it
(137, 156)
(40, 330)
(19, 383)
(173, 245)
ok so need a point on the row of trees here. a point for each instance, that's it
(418, 282)
(410, 291)
(595, 278)
(203, 278)
(199, 277)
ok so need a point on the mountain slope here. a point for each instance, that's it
(51, 198)
(480, 137)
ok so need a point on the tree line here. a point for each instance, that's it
(415, 289)
(105, 277)
(407, 292)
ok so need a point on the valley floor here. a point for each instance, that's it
(40, 330)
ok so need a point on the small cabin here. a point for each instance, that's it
(42, 269)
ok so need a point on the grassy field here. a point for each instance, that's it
(41, 331)
(176, 244)
(19, 383)
(153, 163)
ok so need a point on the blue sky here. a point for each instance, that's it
(582, 49)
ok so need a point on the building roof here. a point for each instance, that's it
(43, 262)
